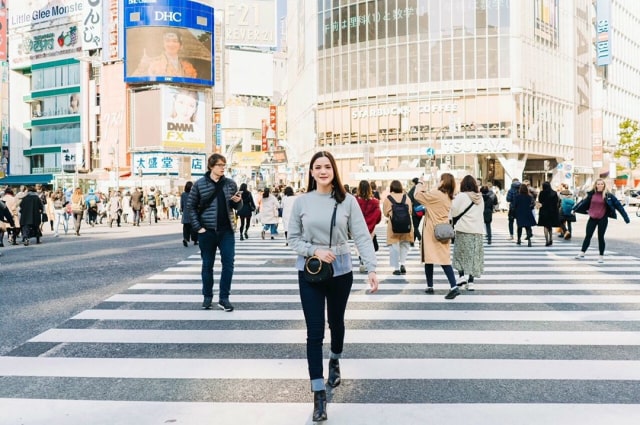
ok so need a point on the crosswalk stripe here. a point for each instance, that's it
(296, 368)
(571, 268)
(560, 286)
(356, 336)
(351, 314)
(294, 276)
(397, 298)
(110, 412)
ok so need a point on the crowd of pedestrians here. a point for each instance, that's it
(30, 211)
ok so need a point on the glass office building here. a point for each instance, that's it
(493, 88)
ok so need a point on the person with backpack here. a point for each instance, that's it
(567, 216)
(91, 203)
(468, 251)
(152, 204)
(397, 206)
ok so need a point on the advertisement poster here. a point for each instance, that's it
(183, 122)
(169, 42)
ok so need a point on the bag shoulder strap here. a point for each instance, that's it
(333, 223)
(456, 218)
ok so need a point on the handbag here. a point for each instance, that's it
(445, 231)
(316, 270)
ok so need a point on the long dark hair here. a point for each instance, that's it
(339, 193)
(447, 184)
(364, 190)
(187, 186)
(469, 184)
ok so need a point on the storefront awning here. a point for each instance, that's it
(30, 179)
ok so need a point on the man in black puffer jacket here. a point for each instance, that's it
(211, 201)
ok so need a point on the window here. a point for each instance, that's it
(55, 77)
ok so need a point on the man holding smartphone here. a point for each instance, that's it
(212, 201)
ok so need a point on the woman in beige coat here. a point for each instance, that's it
(437, 203)
(399, 242)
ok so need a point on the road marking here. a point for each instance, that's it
(356, 336)
(444, 315)
(136, 368)
(74, 412)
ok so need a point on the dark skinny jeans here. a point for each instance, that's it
(448, 271)
(245, 222)
(336, 293)
(592, 223)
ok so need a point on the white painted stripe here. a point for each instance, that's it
(236, 262)
(74, 412)
(547, 269)
(398, 298)
(444, 315)
(357, 336)
(560, 286)
(617, 260)
(135, 368)
(532, 276)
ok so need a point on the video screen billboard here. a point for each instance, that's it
(169, 41)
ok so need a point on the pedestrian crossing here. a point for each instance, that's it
(544, 338)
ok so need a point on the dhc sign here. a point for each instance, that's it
(168, 41)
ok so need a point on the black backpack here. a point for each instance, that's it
(400, 216)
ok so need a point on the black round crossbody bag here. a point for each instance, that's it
(316, 270)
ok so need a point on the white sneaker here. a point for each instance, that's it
(469, 286)
(600, 259)
(462, 282)
(579, 256)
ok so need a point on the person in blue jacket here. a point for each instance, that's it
(600, 205)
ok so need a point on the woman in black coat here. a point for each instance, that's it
(187, 232)
(549, 213)
(245, 212)
(490, 201)
(523, 206)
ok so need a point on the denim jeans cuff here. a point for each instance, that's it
(317, 384)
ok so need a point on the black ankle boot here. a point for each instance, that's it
(334, 373)
(319, 406)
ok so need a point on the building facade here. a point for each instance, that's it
(109, 93)
(494, 88)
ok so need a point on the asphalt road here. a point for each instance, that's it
(43, 285)
(110, 323)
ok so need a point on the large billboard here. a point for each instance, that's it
(168, 41)
(183, 122)
(251, 23)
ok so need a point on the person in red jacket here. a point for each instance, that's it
(370, 207)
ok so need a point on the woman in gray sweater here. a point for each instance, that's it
(309, 233)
